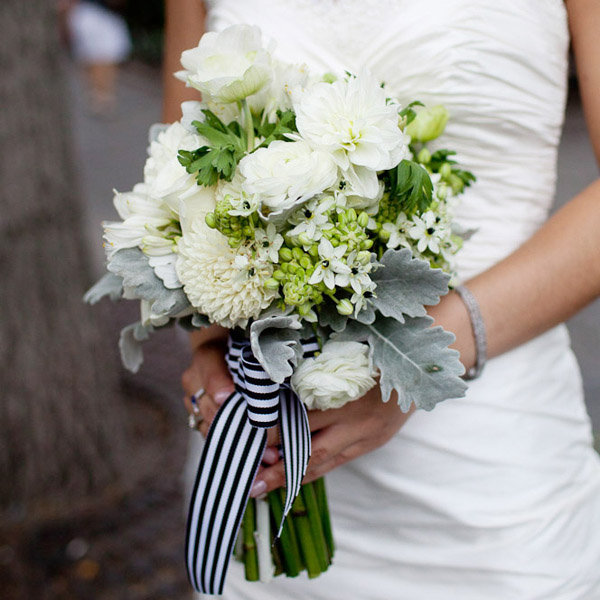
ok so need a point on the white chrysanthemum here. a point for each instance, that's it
(221, 282)
(227, 66)
(341, 373)
(352, 120)
(166, 178)
(286, 174)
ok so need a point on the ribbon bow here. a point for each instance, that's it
(230, 459)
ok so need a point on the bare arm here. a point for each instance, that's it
(184, 25)
(557, 271)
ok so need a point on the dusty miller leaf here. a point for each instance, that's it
(130, 345)
(413, 358)
(330, 317)
(405, 284)
(275, 341)
(131, 264)
(108, 285)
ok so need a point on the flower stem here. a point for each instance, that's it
(307, 544)
(316, 527)
(250, 554)
(288, 542)
(321, 495)
(248, 125)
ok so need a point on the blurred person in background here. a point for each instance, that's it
(100, 41)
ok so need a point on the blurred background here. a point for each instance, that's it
(92, 456)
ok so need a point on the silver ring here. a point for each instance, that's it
(195, 420)
(195, 397)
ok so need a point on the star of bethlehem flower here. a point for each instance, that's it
(227, 66)
(268, 242)
(331, 265)
(242, 203)
(398, 231)
(312, 218)
(358, 275)
(352, 120)
(428, 231)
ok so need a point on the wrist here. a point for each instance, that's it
(452, 314)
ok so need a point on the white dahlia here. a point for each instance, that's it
(226, 284)
(352, 120)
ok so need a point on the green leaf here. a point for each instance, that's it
(219, 159)
(410, 187)
(405, 284)
(275, 341)
(413, 358)
(408, 111)
(279, 130)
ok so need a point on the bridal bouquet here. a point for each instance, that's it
(306, 214)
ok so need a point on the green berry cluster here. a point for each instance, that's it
(236, 229)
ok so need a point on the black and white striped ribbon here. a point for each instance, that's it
(230, 459)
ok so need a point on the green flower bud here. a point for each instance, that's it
(314, 250)
(428, 124)
(211, 220)
(297, 253)
(285, 254)
(329, 78)
(384, 235)
(456, 183)
(442, 191)
(342, 219)
(345, 307)
(304, 239)
(305, 262)
(445, 170)
(351, 214)
(279, 275)
(364, 257)
(363, 219)
(272, 284)
(334, 242)
(367, 244)
(424, 156)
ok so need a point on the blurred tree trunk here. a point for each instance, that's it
(62, 427)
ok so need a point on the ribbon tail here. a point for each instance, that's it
(295, 439)
(228, 465)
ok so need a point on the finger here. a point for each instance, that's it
(270, 478)
(208, 370)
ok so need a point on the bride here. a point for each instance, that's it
(495, 496)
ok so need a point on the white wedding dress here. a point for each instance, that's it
(495, 496)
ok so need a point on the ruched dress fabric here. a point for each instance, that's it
(495, 496)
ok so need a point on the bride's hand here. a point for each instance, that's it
(208, 371)
(339, 436)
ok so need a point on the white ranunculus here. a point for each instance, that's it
(287, 173)
(166, 178)
(352, 120)
(341, 373)
(287, 80)
(227, 66)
